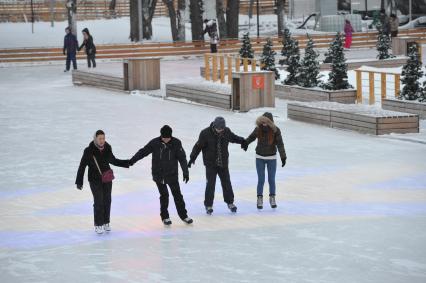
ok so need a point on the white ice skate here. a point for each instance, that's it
(107, 228)
(99, 230)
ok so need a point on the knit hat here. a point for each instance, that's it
(219, 123)
(166, 132)
(269, 116)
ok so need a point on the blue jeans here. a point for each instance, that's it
(272, 169)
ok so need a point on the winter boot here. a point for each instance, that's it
(107, 228)
(188, 220)
(209, 210)
(167, 222)
(99, 230)
(259, 202)
(272, 201)
(232, 207)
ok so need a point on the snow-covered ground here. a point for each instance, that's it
(351, 207)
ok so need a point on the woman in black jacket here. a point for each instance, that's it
(97, 156)
(269, 139)
(89, 47)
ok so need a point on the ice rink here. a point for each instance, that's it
(351, 207)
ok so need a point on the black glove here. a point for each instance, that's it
(131, 163)
(63, 52)
(186, 178)
(190, 162)
(283, 160)
(244, 145)
(79, 187)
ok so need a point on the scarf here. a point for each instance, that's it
(219, 160)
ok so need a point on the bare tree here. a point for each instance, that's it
(148, 9)
(232, 13)
(72, 15)
(280, 16)
(172, 15)
(181, 20)
(112, 6)
(196, 16)
(220, 15)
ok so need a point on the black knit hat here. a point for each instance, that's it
(219, 123)
(269, 116)
(166, 131)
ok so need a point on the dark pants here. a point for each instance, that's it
(101, 202)
(91, 60)
(71, 57)
(177, 196)
(211, 173)
(213, 48)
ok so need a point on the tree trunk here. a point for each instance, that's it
(280, 16)
(181, 20)
(232, 12)
(72, 15)
(220, 15)
(134, 20)
(112, 6)
(196, 16)
(148, 9)
(172, 16)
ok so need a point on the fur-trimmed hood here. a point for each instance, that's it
(267, 119)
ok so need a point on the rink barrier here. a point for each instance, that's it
(355, 64)
(298, 93)
(200, 94)
(406, 106)
(353, 117)
(98, 80)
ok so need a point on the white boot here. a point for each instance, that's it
(99, 230)
(107, 228)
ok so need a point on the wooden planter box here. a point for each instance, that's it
(355, 64)
(346, 96)
(200, 94)
(99, 80)
(407, 106)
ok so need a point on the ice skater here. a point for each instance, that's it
(89, 47)
(348, 34)
(213, 142)
(70, 49)
(167, 152)
(269, 139)
(98, 156)
(211, 29)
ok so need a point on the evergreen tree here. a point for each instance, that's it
(411, 73)
(338, 76)
(328, 56)
(309, 67)
(293, 64)
(287, 42)
(246, 50)
(383, 44)
(268, 58)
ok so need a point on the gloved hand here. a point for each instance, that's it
(283, 160)
(190, 162)
(63, 52)
(186, 178)
(79, 187)
(131, 163)
(244, 145)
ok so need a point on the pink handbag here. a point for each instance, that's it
(107, 176)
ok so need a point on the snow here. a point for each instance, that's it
(351, 207)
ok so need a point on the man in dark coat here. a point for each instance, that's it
(167, 152)
(90, 48)
(213, 142)
(211, 30)
(70, 49)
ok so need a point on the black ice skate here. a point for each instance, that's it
(232, 207)
(188, 220)
(209, 210)
(167, 222)
(272, 201)
(259, 202)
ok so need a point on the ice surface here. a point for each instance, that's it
(351, 207)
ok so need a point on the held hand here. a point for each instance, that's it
(80, 187)
(190, 162)
(186, 178)
(283, 160)
(131, 163)
(244, 145)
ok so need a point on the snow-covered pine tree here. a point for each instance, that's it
(246, 50)
(328, 56)
(411, 73)
(338, 76)
(383, 44)
(268, 58)
(293, 64)
(287, 42)
(309, 67)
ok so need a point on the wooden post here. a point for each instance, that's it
(207, 66)
(245, 64)
(229, 64)
(237, 64)
(253, 65)
(371, 99)
(222, 68)
(214, 68)
(397, 84)
(358, 86)
(383, 85)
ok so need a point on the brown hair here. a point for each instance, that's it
(270, 134)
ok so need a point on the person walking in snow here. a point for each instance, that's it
(89, 47)
(70, 49)
(167, 152)
(211, 29)
(348, 34)
(213, 142)
(269, 140)
(98, 156)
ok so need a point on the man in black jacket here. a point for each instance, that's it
(166, 152)
(213, 142)
(70, 49)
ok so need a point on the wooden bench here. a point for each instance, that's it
(201, 93)
(359, 118)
